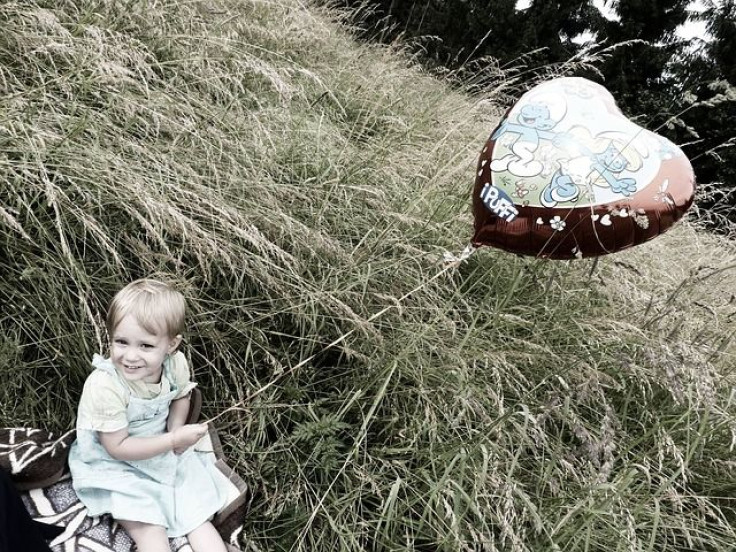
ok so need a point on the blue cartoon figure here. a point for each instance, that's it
(562, 188)
(598, 166)
(533, 123)
(609, 164)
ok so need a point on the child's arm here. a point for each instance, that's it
(178, 412)
(122, 446)
(179, 408)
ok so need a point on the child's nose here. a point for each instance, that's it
(131, 354)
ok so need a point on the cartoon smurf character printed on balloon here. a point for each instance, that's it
(594, 165)
(533, 123)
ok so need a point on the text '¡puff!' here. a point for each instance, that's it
(498, 202)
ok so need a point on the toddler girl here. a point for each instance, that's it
(133, 457)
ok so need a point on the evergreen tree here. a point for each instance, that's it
(452, 32)
(709, 75)
(553, 25)
(720, 18)
(496, 28)
(636, 72)
(468, 30)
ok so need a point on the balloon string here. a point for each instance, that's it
(337, 341)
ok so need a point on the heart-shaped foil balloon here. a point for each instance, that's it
(566, 175)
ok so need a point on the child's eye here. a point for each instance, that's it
(120, 342)
(146, 345)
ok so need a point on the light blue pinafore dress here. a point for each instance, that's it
(178, 492)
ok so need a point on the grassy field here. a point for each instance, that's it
(301, 189)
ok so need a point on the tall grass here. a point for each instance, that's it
(294, 184)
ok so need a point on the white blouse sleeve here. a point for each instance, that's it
(103, 405)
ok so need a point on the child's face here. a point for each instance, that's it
(139, 354)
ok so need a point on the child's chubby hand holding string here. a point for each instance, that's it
(186, 436)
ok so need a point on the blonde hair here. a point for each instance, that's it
(156, 306)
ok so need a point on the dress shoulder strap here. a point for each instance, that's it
(168, 371)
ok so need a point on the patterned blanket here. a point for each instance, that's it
(36, 461)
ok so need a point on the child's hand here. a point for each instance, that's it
(187, 435)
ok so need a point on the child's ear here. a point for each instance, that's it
(174, 343)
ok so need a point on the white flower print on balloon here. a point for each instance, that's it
(557, 223)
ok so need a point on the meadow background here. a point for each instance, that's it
(301, 189)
